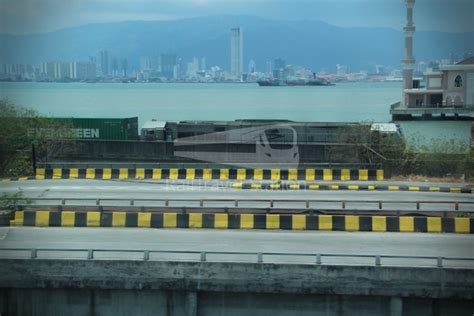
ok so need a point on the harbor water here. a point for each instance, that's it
(344, 102)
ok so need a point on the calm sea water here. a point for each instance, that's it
(345, 102)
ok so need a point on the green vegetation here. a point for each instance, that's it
(9, 201)
(17, 140)
(445, 161)
(391, 153)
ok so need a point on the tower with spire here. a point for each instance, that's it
(409, 60)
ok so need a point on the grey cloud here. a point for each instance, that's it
(23, 16)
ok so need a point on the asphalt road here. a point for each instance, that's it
(445, 245)
(94, 189)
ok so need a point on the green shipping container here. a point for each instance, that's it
(100, 128)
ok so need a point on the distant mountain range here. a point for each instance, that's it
(313, 44)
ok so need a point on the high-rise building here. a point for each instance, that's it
(203, 64)
(16, 71)
(192, 68)
(269, 67)
(145, 63)
(124, 67)
(279, 65)
(169, 67)
(83, 70)
(155, 63)
(65, 71)
(380, 70)
(252, 66)
(236, 52)
(104, 63)
(341, 70)
(422, 67)
(47, 71)
(57, 71)
(114, 66)
(149, 63)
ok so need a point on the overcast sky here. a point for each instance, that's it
(25, 16)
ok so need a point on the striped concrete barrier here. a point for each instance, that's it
(245, 221)
(256, 175)
(375, 187)
(210, 174)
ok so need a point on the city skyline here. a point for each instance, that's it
(172, 68)
(209, 38)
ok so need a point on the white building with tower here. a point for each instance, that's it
(437, 117)
(449, 90)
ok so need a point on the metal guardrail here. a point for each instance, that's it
(397, 105)
(259, 256)
(271, 203)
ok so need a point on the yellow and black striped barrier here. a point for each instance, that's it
(375, 187)
(245, 221)
(246, 178)
(210, 174)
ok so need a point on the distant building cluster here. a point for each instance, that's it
(50, 71)
(169, 67)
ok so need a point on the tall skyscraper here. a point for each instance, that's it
(236, 52)
(252, 66)
(269, 67)
(145, 63)
(115, 67)
(192, 68)
(409, 60)
(279, 65)
(64, 71)
(47, 70)
(83, 70)
(104, 63)
(124, 67)
(169, 66)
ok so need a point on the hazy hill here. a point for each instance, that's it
(314, 44)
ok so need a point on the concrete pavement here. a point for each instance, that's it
(95, 189)
(406, 244)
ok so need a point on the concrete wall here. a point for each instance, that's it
(74, 302)
(142, 151)
(78, 302)
(443, 283)
(115, 287)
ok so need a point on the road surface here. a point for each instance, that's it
(94, 189)
(445, 245)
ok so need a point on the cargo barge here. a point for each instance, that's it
(280, 83)
(315, 81)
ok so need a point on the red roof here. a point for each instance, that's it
(467, 61)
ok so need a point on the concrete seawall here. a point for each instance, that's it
(216, 288)
(238, 277)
